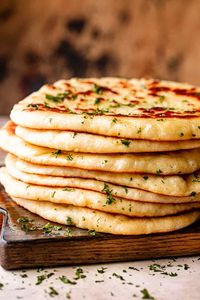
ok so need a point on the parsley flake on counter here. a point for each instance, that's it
(146, 294)
(118, 276)
(52, 292)
(102, 270)
(41, 278)
(79, 274)
(1, 286)
(66, 280)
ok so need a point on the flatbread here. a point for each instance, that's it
(170, 163)
(136, 108)
(90, 199)
(104, 222)
(93, 143)
(96, 185)
(166, 185)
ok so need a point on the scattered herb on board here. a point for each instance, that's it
(110, 198)
(69, 221)
(66, 280)
(26, 224)
(56, 153)
(52, 292)
(1, 286)
(92, 232)
(69, 157)
(146, 294)
(118, 276)
(48, 228)
(68, 232)
(125, 143)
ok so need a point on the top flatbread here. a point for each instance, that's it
(137, 109)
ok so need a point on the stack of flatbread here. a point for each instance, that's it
(111, 155)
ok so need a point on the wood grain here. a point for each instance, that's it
(19, 249)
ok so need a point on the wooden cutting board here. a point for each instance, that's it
(20, 248)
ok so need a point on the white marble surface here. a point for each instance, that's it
(106, 286)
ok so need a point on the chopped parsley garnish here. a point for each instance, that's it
(139, 130)
(97, 89)
(58, 98)
(114, 120)
(158, 172)
(181, 134)
(36, 106)
(53, 194)
(69, 221)
(1, 285)
(125, 142)
(69, 189)
(56, 153)
(69, 157)
(74, 134)
(108, 192)
(97, 101)
(146, 294)
(66, 280)
(193, 194)
(145, 177)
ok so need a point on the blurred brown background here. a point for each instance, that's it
(45, 40)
